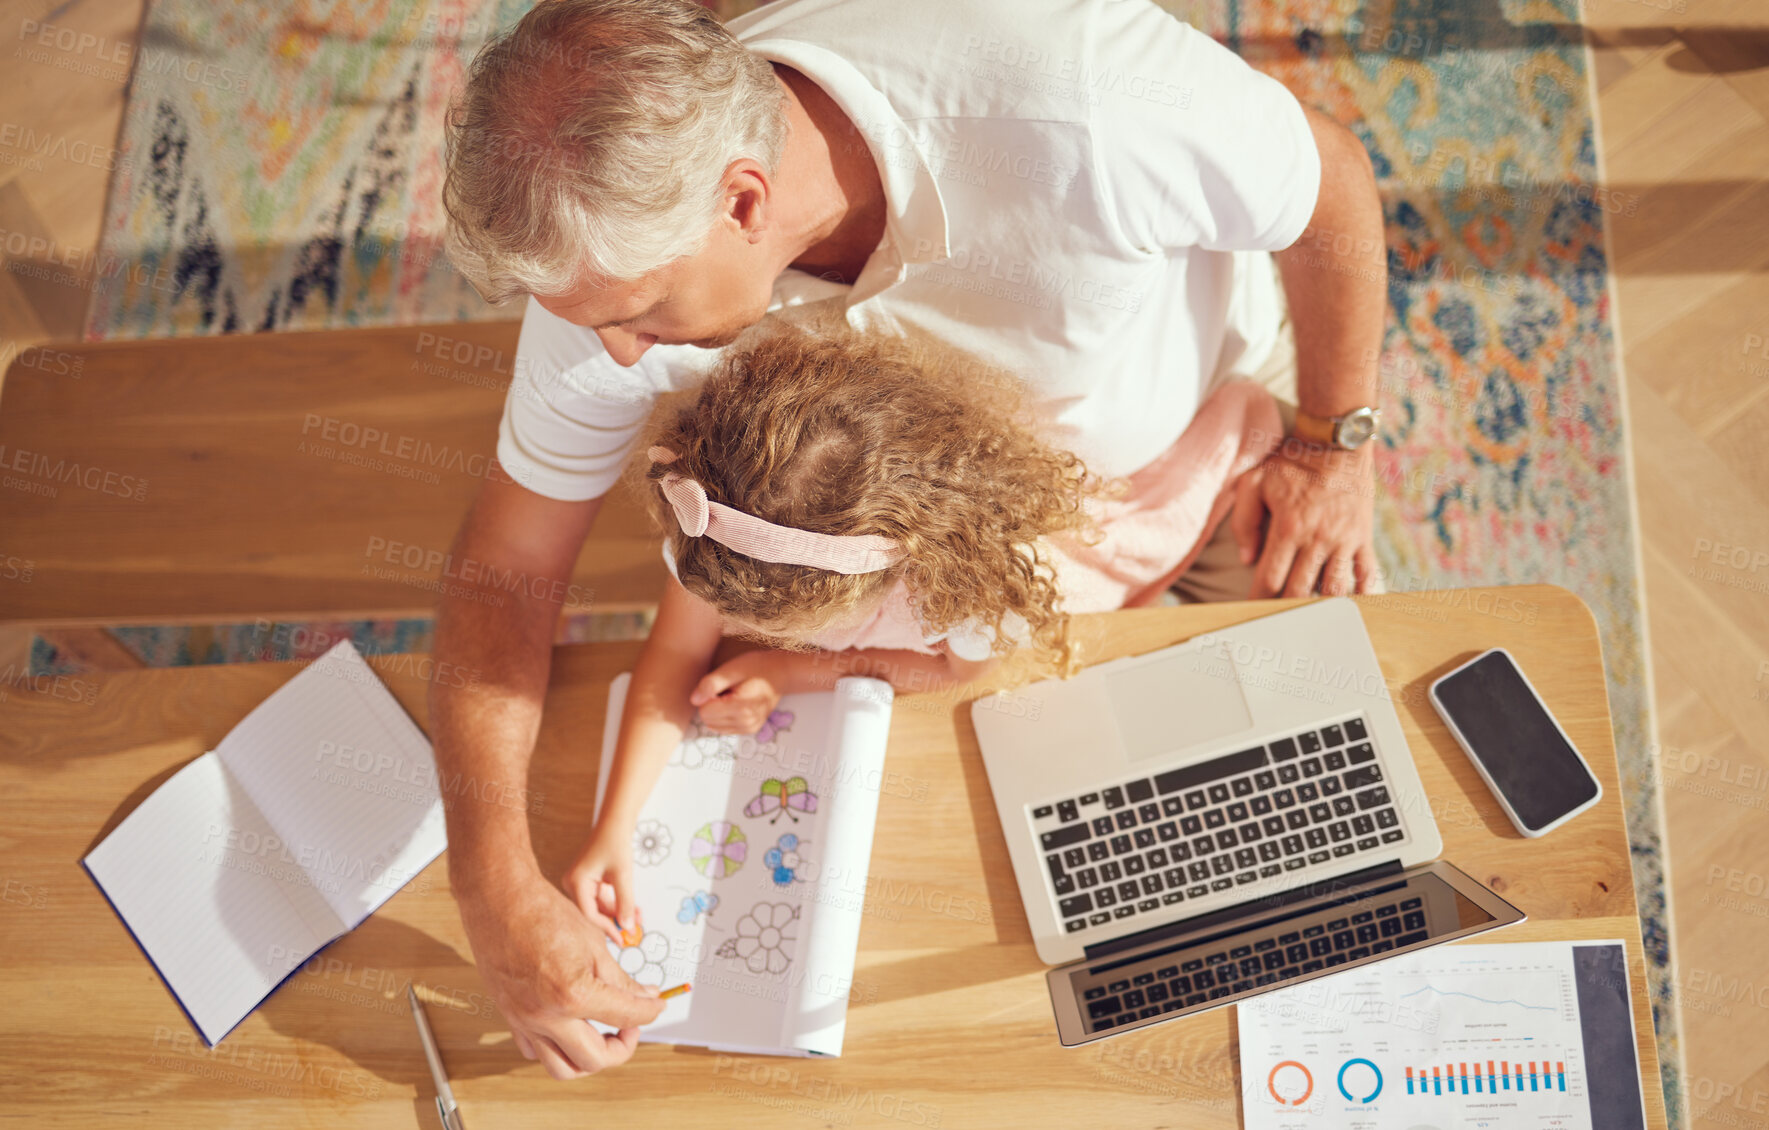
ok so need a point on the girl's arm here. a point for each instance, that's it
(906, 671)
(738, 696)
(676, 655)
(909, 672)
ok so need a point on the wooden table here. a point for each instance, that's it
(949, 1024)
(265, 475)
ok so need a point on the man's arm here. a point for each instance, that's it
(547, 966)
(1321, 500)
(1231, 161)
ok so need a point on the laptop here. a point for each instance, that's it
(1213, 820)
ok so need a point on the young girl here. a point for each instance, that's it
(851, 493)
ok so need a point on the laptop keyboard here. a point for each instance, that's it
(1153, 842)
(1242, 964)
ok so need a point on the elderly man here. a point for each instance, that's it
(1087, 193)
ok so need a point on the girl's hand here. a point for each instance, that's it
(737, 697)
(601, 881)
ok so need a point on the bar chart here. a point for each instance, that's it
(1498, 1076)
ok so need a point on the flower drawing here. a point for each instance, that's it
(651, 843)
(718, 849)
(699, 748)
(784, 860)
(701, 745)
(643, 961)
(764, 938)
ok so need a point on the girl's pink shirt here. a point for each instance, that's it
(1150, 534)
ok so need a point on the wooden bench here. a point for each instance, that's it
(292, 475)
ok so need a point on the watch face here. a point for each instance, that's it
(1356, 428)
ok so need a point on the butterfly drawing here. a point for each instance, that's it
(778, 723)
(783, 860)
(779, 796)
(694, 905)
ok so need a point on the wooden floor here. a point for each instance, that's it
(1685, 129)
(1684, 100)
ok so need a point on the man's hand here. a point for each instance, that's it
(1321, 503)
(548, 969)
(737, 697)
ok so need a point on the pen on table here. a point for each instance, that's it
(445, 1097)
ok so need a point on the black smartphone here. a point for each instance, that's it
(1524, 756)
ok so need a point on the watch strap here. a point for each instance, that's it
(1315, 429)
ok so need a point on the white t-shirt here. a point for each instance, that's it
(1081, 192)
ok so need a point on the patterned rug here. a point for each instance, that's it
(289, 179)
(283, 167)
(279, 641)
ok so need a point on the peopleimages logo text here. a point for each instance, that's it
(470, 571)
(35, 465)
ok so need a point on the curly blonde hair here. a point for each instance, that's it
(846, 433)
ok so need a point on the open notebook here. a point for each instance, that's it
(318, 806)
(750, 861)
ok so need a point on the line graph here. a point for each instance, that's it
(1472, 997)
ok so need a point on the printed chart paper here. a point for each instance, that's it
(1532, 1036)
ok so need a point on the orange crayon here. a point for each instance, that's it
(675, 992)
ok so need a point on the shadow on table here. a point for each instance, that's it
(1005, 908)
(1470, 810)
(351, 997)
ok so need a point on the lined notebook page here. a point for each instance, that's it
(346, 778)
(750, 865)
(199, 877)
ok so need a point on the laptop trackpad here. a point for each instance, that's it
(1172, 704)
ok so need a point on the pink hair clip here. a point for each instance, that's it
(763, 540)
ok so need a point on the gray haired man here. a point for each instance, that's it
(1088, 193)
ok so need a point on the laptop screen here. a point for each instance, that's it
(1202, 963)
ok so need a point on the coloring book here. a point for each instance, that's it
(750, 862)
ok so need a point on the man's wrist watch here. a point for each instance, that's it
(1348, 432)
